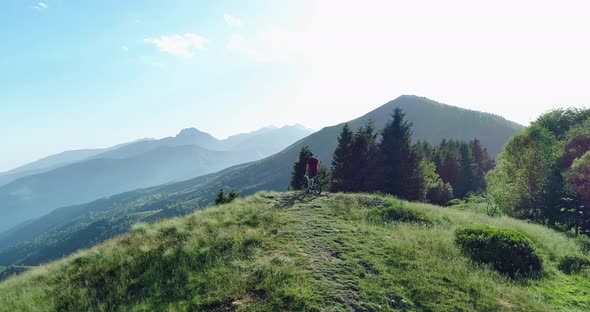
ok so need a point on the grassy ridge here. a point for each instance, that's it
(277, 251)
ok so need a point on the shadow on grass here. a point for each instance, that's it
(298, 197)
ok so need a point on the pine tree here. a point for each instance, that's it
(466, 183)
(221, 198)
(298, 173)
(402, 176)
(233, 195)
(366, 174)
(482, 163)
(342, 172)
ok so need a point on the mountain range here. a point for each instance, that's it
(68, 229)
(81, 176)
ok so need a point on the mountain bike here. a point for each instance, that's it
(312, 185)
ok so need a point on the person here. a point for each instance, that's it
(312, 168)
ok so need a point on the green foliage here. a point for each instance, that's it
(402, 176)
(574, 264)
(584, 242)
(299, 167)
(325, 178)
(223, 199)
(507, 251)
(462, 165)
(578, 177)
(535, 178)
(342, 171)
(365, 160)
(521, 183)
(482, 163)
(577, 143)
(356, 163)
(417, 172)
(435, 190)
(560, 121)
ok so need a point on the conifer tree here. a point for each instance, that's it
(233, 195)
(298, 173)
(482, 163)
(366, 174)
(402, 176)
(466, 183)
(342, 172)
(221, 198)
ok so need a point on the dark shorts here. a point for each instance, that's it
(312, 175)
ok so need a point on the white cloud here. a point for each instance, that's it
(232, 20)
(40, 6)
(124, 48)
(179, 45)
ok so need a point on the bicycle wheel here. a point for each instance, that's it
(317, 188)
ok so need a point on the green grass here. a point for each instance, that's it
(276, 252)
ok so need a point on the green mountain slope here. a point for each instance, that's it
(273, 252)
(49, 237)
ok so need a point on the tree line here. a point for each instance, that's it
(543, 174)
(387, 161)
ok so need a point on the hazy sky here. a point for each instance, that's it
(82, 74)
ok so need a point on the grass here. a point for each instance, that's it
(276, 252)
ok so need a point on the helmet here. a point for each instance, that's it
(310, 154)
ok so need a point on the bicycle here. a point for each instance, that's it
(312, 185)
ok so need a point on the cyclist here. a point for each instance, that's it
(312, 168)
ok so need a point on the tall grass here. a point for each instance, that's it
(276, 252)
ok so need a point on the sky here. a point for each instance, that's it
(88, 74)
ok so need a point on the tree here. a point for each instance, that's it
(342, 172)
(365, 160)
(223, 199)
(220, 199)
(402, 176)
(448, 163)
(467, 178)
(435, 191)
(578, 178)
(482, 165)
(577, 142)
(233, 195)
(522, 182)
(560, 121)
(298, 173)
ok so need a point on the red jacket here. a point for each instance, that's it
(313, 165)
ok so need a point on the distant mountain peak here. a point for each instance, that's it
(302, 127)
(190, 132)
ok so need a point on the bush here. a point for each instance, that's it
(507, 251)
(584, 242)
(440, 195)
(574, 264)
(396, 212)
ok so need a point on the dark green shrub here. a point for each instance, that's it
(574, 264)
(507, 251)
(584, 242)
(396, 212)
